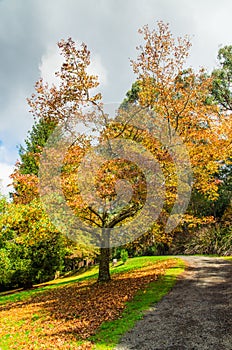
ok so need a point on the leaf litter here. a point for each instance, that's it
(60, 317)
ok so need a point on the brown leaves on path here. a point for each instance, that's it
(60, 317)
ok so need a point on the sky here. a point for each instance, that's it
(30, 30)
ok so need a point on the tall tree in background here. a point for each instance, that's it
(222, 93)
(25, 176)
(34, 144)
(222, 79)
(181, 97)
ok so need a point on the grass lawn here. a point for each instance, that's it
(78, 313)
(227, 257)
(91, 274)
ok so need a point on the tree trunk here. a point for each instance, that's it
(104, 266)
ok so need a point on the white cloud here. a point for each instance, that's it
(50, 63)
(4, 154)
(6, 169)
(96, 68)
(5, 172)
(15, 121)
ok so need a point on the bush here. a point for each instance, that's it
(210, 240)
(31, 249)
(124, 255)
(5, 267)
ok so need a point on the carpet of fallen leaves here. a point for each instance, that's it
(60, 317)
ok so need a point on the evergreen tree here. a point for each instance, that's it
(34, 144)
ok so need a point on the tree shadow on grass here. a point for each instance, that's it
(77, 310)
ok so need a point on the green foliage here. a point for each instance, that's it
(222, 78)
(132, 95)
(158, 248)
(3, 204)
(25, 176)
(32, 250)
(124, 255)
(225, 189)
(5, 267)
(35, 142)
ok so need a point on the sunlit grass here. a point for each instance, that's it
(91, 273)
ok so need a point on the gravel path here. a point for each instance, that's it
(195, 315)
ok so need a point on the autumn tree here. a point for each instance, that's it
(125, 163)
(65, 104)
(181, 96)
(220, 95)
(194, 104)
(110, 204)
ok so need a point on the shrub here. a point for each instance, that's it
(124, 255)
(210, 240)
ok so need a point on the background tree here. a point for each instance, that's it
(34, 143)
(216, 238)
(181, 97)
(132, 95)
(31, 248)
(25, 176)
(222, 93)
(222, 79)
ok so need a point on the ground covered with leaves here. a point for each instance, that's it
(61, 317)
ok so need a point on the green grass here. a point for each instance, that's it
(25, 294)
(110, 333)
(92, 273)
(9, 339)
